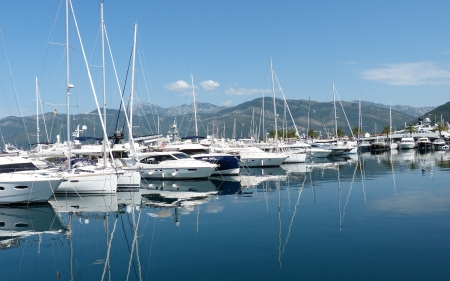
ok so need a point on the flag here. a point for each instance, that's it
(54, 112)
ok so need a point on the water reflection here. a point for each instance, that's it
(19, 222)
(310, 213)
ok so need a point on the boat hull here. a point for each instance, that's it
(22, 188)
(89, 183)
(226, 164)
(295, 158)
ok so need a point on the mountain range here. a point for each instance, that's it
(237, 120)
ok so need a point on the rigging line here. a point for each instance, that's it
(150, 250)
(144, 66)
(339, 197)
(109, 249)
(348, 123)
(7, 104)
(293, 214)
(14, 86)
(285, 102)
(42, 110)
(146, 89)
(145, 116)
(363, 179)
(121, 96)
(349, 192)
(123, 92)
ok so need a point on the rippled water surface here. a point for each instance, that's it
(373, 217)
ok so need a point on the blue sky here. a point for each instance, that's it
(386, 51)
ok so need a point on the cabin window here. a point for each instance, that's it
(17, 167)
(21, 224)
(2, 188)
(180, 155)
(192, 169)
(21, 187)
(2, 224)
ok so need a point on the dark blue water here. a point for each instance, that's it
(377, 217)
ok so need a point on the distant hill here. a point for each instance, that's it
(218, 119)
(438, 112)
(146, 108)
(413, 111)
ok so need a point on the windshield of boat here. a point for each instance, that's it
(180, 155)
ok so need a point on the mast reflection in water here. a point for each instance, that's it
(368, 217)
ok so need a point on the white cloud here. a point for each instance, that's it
(244, 92)
(405, 74)
(226, 103)
(180, 85)
(209, 85)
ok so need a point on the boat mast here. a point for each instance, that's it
(130, 134)
(309, 118)
(335, 117)
(390, 123)
(37, 113)
(105, 138)
(68, 85)
(274, 109)
(264, 129)
(195, 106)
(234, 128)
(359, 120)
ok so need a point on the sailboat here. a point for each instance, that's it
(337, 149)
(86, 178)
(363, 146)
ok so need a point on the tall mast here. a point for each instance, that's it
(264, 129)
(309, 118)
(68, 85)
(195, 106)
(130, 137)
(234, 128)
(359, 120)
(390, 122)
(335, 117)
(37, 113)
(274, 109)
(102, 23)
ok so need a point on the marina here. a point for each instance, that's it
(362, 217)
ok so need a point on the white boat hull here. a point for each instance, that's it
(261, 160)
(130, 179)
(27, 188)
(295, 158)
(89, 183)
(176, 169)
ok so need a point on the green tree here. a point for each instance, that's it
(312, 134)
(440, 127)
(386, 130)
(288, 134)
(410, 128)
(355, 131)
(340, 132)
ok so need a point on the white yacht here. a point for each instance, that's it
(424, 143)
(22, 182)
(173, 165)
(255, 157)
(440, 144)
(407, 143)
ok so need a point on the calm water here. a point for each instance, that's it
(379, 217)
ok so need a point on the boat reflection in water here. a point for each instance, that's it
(174, 198)
(18, 222)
